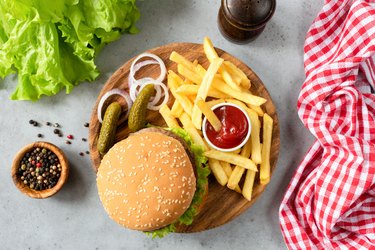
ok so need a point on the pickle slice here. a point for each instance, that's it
(137, 115)
(108, 129)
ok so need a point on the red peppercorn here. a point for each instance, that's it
(33, 162)
(70, 137)
(38, 165)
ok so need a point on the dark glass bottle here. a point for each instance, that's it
(241, 21)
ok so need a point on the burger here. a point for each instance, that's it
(153, 180)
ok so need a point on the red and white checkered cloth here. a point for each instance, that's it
(330, 202)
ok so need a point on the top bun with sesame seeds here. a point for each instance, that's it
(147, 181)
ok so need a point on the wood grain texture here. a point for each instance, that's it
(47, 192)
(222, 204)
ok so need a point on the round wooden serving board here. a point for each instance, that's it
(222, 204)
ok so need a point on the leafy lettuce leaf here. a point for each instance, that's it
(202, 181)
(52, 45)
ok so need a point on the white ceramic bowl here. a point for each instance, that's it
(227, 149)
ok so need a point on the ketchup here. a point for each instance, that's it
(233, 130)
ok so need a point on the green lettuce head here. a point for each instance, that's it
(52, 45)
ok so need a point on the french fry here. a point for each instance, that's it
(234, 159)
(265, 167)
(247, 189)
(256, 155)
(237, 151)
(184, 101)
(242, 96)
(236, 78)
(209, 49)
(192, 131)
(168, 117)
(203, 90)
(238, 170)
(257, 109)
(189, 74)
(176, 77)
(238, 103)
(190, 89)
(190, 70)
(227, 168)
(209, 114)
(234, 70)
(179, 59)
(211, 54)
(201, 71)
(235, 177)
(176, 109)
(187, 82)
(218, 171)
(215, 102)
(228, 78)
(186, 104)
(228, 171)
(191, 98)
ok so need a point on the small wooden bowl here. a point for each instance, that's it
(47, 192)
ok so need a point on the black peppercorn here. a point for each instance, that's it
(36, 166)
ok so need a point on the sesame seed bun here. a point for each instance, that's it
(146, 181)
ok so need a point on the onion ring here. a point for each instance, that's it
(137, 67)
(163, 69)
(120, 92)
(134, 89)
(166, 95)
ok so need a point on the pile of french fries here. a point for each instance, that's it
(196, 90)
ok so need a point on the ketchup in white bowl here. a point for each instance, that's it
(235, 129)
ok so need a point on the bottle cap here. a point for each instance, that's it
(248, 14)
